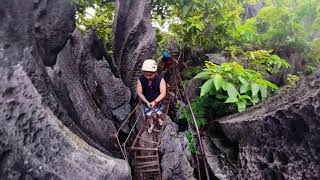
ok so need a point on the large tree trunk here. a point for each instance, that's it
(134, 38)
(278, 139)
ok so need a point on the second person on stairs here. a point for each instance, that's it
(151, 88)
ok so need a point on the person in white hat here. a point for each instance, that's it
(151, 88)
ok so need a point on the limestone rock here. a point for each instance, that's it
(34, 143)
(252, 10)
(134, 39)
(112, 93)
(96, 96)
(278, 139)
(35, 119)
(175, 155)
(193, 88)
(217, 58)
(71, 71)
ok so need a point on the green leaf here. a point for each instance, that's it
(244, 97)
(263, 91)
(181, 115)
(232, 91)
(231, 100)
(218, 81)
(224, 85)
(221, 97)
(244, 88)
(255, 99)
(242, 80)
(267, 83)
(254, 89)
(202, 75)
(206, 87)
(241, 106)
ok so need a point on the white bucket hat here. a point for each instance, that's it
(149, 65)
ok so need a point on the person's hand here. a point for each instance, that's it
(153, 104)
(149, 105)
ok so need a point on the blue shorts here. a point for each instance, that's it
(158, 109)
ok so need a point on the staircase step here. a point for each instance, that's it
(147, 140)
(156, 130)
(149, 170)
(152, 156)
(146, 164)
(143, 149)
(154, 166)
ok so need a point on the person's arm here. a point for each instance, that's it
(162, 95)
(139, 93)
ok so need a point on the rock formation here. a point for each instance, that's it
(39, 106)
(251, 10)
(278, 139)
(134, 38)
(34, 143)
(97, 99)
(175, 155)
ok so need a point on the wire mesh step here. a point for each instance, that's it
(147, 140)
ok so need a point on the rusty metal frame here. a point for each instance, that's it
(123, 151)
(195, 124)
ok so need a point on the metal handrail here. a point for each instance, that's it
(189, 127)
(124, 144)
(124, 122)
(197, 129)
(195, 123)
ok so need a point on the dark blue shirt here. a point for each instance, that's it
(150, 90)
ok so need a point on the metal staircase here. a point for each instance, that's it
(144, 150)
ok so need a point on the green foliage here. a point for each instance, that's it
(292, 79)
(265, 62)
(199, 111)
(101, 20)
(281, 26)
(82, 5)
(309, 69)
(233, 51)
(164, 41)
(201, 23)
(231, 83)
(192, 143)
(273, 27)
(191, 72)
(314, 53)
